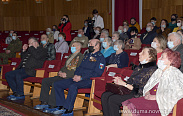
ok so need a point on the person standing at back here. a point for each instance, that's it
(98, 19)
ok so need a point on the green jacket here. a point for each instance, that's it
(70, 69)
(15, 46)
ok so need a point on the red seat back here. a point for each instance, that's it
(58, 56)
(112, 72)
(83, 50)
(64, 58)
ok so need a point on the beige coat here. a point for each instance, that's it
(83, 40)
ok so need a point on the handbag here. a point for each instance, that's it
(117, 89)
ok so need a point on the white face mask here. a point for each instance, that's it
(97, 32)
(153, 44)
(170, 44)
(178, 24)
(144, 61)
(161, 64)
(113, 40)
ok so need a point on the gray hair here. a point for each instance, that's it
(106, 32)
(120, 42)
(117, 33)
(33, 38)
(109, 41)
(177, 36)
(49, 29)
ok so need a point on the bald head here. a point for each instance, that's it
(96, 44)
(80, 31)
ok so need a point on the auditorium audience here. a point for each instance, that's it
(67, 71)
(14, 46)
(61, 46)
(108, 48)
(55, 32)
(97, 31)
(104, 34)
(9, 38)
(49, 46)
(164, 30)
(33, 57)
(134, 23)
(120, 58)
(115, 36)
(111, 102)
(87, 29)
(133, 42)
(159, 43)
(65, 26)
(153, 21)
(81, 38)
(179, 25)
(175, 44)
(123, 33)
(93, 65)
(148, 36)
(162, 91)
(173, 22)
(98, 19)
(50, 35)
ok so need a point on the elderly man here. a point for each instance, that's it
(14, 46)
(103, 35)
(50, 35)
(66, 72)
(92, 65)
(51, 48)
(9, 39)
(81, 38)
(175, 43)
(33, 57)
(148, 36)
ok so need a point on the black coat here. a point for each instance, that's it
(36, 59)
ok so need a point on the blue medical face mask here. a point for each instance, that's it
(10, 34)
(13, 37)
(73, 49)
(116, 47)
(47, 33)
(79, 35)
(170, 44)
(104, 44)
(59, 38)
(43, 42)
(120, 31)
(163, 26)
(101, 39)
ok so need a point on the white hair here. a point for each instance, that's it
(49, 29)
(109, 40)
(106, 32)
(177, 36)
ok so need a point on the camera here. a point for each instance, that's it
(63, 19)
(90, 22)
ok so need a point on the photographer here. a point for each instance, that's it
(86, 29)
(65, 26)
(98, 20)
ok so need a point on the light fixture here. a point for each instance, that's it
(5, 1)
(39, 1)
(68, 0)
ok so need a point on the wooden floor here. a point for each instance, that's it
(30, 104)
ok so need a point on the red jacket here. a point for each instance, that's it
(66, 30)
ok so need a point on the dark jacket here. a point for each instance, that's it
(51, 51)
(36, 59)
(148, 37)
(14, 46)
(180, 50)
(141, 75)
(164, 33)
(87, 32)
(70, 69)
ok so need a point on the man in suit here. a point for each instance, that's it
(33, 56)
(87, 29)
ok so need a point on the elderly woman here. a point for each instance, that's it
(120, 58)
(163, 90)
(50, 35)
(111, 102)
(61, 46)
(164, 30)
(107, 45)
(115, 36)
(160, 44)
